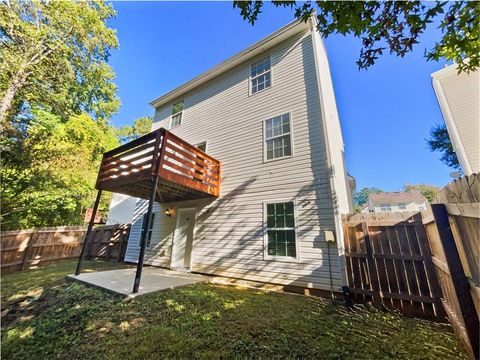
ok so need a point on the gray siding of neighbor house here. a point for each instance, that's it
(229, 231)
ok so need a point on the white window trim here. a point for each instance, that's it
(250, 93)
(147, 246)
(170, 125)
(265, 235)
(387, 206)
(292, 145)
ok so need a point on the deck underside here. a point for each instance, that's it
(166, 191)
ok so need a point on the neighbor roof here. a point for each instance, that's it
(397, 197)
(263, 45)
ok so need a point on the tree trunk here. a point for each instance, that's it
(6, 102)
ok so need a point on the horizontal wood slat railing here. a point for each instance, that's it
(164, 154)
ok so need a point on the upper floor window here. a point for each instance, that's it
(260, 75)
(402, 206)
(281, 230)
(202, 146)
(278, 141)
(177, 111)
(385, 207)
(150, 229)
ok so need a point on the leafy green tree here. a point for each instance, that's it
(439, 141)
(56, 95)
(54, 57)
(361, 197)
(140, 127)
(429, 191)
(393, 26)
(49, 174)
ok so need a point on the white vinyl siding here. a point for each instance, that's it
(260, 75)
(278, 139)
(385, 207)
(150, 229)
(229, 237)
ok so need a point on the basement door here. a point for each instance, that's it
(183, 239)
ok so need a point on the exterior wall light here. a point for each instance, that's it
(169, 212)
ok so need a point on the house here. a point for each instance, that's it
(121, 209)
(397, 201)
(459, 99)
(246, 167)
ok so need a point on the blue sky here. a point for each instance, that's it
(386, 112)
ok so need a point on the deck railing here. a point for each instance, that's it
(161, 153)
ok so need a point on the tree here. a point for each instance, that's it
(391, 25)
(440, 141)
(140, 127)
(54, 57)
(429, 191)
(361, 197)
(56, 95)
(49, 176)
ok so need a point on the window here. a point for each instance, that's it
(402, 206)
(202, 146)
(278, 137)
(281, 230)
(260, 75)
(150, 229)
(177, 111)
(385, 207)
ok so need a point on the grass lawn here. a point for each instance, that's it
(47, 317)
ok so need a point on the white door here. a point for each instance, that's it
(183, 239)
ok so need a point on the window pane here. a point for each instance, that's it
(270, 209)
(287, 150)
(291, 249)
(177, 107)
(281, 243)
(176, 119)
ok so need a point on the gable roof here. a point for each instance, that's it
(259, 47)
(396, 197)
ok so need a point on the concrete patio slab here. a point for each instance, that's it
(153, 279)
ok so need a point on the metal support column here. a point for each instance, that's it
(143, 239)
(89, 231)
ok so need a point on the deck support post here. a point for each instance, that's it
(143, 238)
(89, 231)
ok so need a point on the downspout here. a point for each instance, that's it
(337, 216)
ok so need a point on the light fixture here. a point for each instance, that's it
(168, 212)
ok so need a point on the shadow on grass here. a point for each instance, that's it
(211, 321)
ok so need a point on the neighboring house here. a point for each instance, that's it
(397, 202)
(364, 209)
(121, 209)
(268, 114)
(459, 99)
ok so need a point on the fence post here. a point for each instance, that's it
(372, 268)
(459, 279)
(28, 249)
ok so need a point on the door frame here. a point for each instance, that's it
(179, 210)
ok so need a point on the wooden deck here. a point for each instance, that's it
(185, 172)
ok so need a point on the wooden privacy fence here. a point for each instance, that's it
(453, 228)
(23, 249)
(388, 262)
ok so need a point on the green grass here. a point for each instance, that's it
(45, 317)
